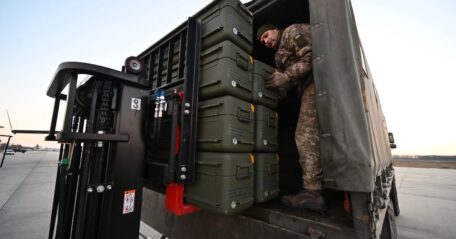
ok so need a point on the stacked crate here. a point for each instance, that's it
(224, 168)
(266, 135)
(223, 165)
(223, 20)
(234, 138)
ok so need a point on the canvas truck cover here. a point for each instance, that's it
(354, 139)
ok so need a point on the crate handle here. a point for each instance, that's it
(266, 95)
(242, 87)
(216, 82)
(242, 62)
(208, 140)
(208, 106)
(268, 72)
(208, 115)
(211, 51)
(238, 141)
(271, 121)
(273, 144)
(208, 163)
(205, 201)
(243, 37)
(242, 117)
(240, 169)
(272, 168)
(218, 29)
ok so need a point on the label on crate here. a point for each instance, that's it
(135, 104)
(129, 201)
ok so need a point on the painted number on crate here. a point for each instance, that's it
(135, 104)
(129, 201)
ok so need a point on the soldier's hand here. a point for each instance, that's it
(276, 79)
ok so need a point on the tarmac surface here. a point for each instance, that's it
(26, 191)
(427, 199)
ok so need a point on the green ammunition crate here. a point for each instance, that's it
(266, 130)
(261, 95)
(266, 182)
(223, 182)
(225, 70)
(223, 20)
(225, 124)
(226, 20)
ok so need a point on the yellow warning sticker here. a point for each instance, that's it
(129, 201)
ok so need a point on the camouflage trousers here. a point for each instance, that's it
(308, 141)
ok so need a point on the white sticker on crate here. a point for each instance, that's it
(129, 201)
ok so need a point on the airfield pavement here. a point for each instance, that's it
(427, 199)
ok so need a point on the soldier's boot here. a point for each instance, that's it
(308, 199)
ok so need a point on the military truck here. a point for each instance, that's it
(355, 143)
(187, 139)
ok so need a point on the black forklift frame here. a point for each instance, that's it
(184, 106)
(72, 187)
(190, 115)
(66, 205)
(67, 75)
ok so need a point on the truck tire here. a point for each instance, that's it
(389, 229)
(394, 198)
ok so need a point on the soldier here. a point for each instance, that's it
(293, 58)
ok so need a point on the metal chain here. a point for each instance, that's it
(105, 114)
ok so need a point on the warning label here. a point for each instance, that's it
(129, 201)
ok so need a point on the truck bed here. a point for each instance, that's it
(266, 220)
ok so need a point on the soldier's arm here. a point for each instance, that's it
(300, 42)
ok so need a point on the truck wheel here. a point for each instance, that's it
(389, 229)
(394, 198)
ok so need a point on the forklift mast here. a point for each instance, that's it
(98, 191)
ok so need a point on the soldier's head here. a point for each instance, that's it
(268, 35)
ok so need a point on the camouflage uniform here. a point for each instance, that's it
(294, 58)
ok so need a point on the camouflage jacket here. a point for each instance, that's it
(294, 53)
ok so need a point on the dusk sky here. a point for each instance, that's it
(410, 47)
